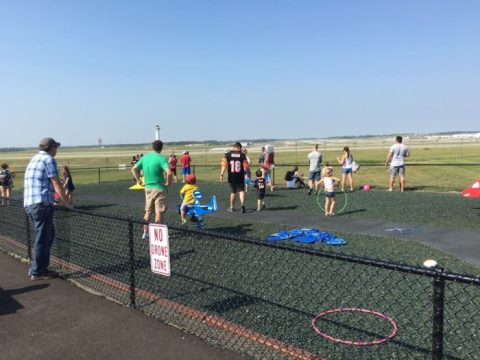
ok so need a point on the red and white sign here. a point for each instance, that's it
(473, 190)
(159, 249)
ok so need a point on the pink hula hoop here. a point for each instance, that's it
(350, 342)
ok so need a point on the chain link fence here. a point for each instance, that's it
(419, 176)
(260, 298)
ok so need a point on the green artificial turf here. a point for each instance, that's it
(268, 290)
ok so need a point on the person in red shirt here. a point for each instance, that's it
(185, 159)
(172, 164)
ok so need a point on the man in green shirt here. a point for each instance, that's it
(154, 165)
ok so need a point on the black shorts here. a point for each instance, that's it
(261, 195)
(236, 187)
(174, 171)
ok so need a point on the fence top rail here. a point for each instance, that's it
(389, 265)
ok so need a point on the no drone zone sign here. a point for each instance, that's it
(159, 249)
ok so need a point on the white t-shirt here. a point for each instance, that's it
(329, 184)
(315, 159)
(399, 152)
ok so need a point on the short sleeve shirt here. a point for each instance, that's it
(399, 152)
(185, 160)
(260, 185)
(153, 166)
(315, 159)
(235, 160)
(37, 186)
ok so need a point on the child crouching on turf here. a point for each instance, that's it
(329, 182)
(187, 195)
(260, 185)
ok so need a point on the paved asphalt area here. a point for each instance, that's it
(53, 319)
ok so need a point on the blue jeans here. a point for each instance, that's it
(42, 218)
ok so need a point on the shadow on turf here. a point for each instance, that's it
(93, 207)
(240, 229)
(276, 208)
(232, 303)
(353, 211)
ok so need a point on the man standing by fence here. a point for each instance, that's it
(398, 152)
(314, 160)
(41, 182)
(154, 165)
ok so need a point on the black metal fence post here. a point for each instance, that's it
(99, 179)
(438, 316)
(29, 237)
(131, 257)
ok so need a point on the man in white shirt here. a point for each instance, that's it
(314, 159)
(398, 152)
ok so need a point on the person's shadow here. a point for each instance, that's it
(8, 304)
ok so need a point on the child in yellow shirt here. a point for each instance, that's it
(187, 195)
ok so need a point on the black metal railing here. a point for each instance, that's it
(259, 297)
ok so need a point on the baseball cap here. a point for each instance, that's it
(237, 144)
(47, 143)
(190, 178)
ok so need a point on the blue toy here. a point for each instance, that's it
(196, 211)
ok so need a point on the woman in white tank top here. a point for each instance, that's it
(346, 161)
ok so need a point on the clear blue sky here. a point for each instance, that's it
(80, 70)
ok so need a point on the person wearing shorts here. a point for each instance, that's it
(6, 183)
(314, 160)
(329, 182)
(396, 156)
(154, 165)
(260, 185)
(235, 161)
(347, 167)
(185, 159)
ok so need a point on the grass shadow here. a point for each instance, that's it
(277, 208)
(93, 207)
(352, 212)
(240, 229)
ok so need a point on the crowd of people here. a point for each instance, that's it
(42, 184)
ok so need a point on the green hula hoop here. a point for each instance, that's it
(338, 211)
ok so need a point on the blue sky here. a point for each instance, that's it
(81, 70)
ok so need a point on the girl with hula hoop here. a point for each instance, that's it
(329, 182)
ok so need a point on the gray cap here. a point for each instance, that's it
(47, 143)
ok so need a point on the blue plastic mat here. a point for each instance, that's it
(307, 236)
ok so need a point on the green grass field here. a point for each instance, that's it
(369, 153)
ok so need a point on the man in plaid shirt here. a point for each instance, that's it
(41, 182)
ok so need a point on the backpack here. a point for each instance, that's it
(5, 178)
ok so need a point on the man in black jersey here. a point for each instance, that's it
(234, 161)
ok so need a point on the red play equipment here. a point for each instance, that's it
(473, 190)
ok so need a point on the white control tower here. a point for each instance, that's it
(157, 132)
